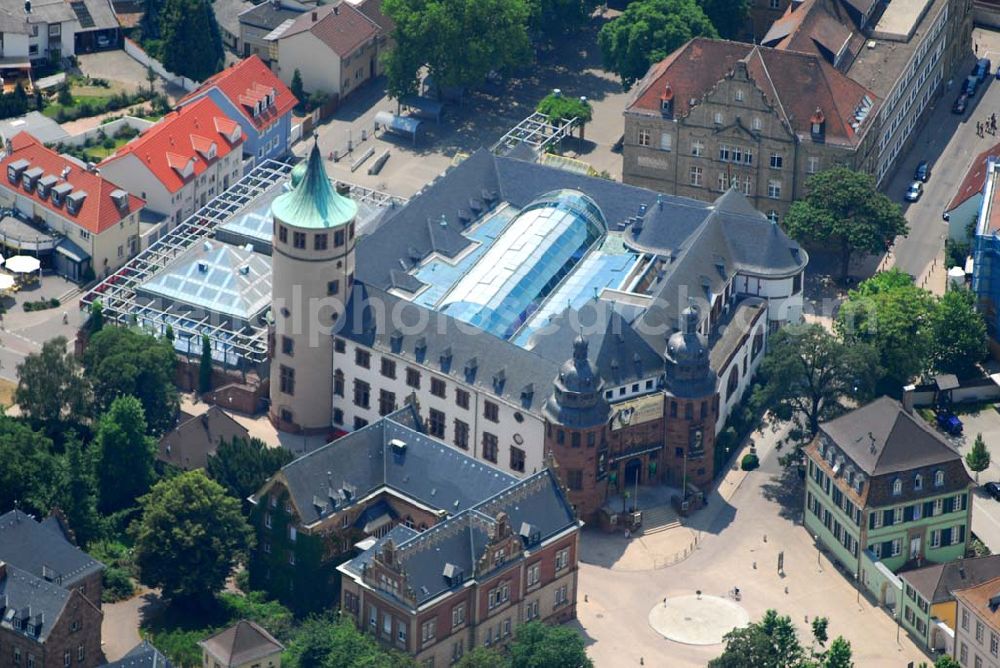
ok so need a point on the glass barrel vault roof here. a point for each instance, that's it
(525, 263)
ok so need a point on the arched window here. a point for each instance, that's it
(938, 478)
(918, 482)
(733, 382)
(897, 487)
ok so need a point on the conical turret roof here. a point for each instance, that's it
(314, 203)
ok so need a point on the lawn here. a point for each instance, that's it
(7, 388)
(96, 101)
(98, 152)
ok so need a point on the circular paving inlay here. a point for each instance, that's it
(694, 620)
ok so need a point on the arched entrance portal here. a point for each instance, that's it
(633, 473)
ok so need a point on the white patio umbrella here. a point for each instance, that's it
(6, 282)
(22, 264)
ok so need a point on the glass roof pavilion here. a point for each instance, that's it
(526, 262)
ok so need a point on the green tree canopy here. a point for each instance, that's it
(77, 493)
(537, 645)
(460, 41)
(51, 390)
(242, 466)
(560, 108)
(555, 17)
(189, 538)
(29, 475)
(123, 455)
(192, 41)
(297, 88)
(839, 655)
(728, 16)
(121, 361)
(328, 643)
(895, 317)
(843, 208)
(978, 458)
(808, 370)
(205, 365)
(483, 657)
(647, 32)
(958, 339)
(769, 643)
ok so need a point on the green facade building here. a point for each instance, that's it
(886, 493)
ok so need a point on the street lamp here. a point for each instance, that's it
(818, 564)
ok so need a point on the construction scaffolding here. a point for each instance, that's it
(240, 347)
(537, 132)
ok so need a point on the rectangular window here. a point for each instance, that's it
(897, 547)
(562, 559)
(438, 387)
(458, 615)
(965, 619)
(812, 165)
(362, 358)
(534, 574)
(435, 424)
(288, 346)
(283, 234)
(332, 287)
(287, 380)
(461, 434)
(574, 479)
(697, 149)
(338, 238)
(516, 459)
(299, 239)
(776, 161)
(491, 411)
(428, 630)
(724, 152)
(980, 630)
(461, 398)
(994, 644)
(938, 506)
(362, 394)
(490, 448)
(386, 402)
(696, 175)
(388, 367)
(339, 345)
(935, 538)
(644, 138)
(666, 141)
(413, 378)
(319, 242)
(897, 515)
(774, 189)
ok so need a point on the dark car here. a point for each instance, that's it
(971, 85)
(922, 172)
(949, 423)
(982, 69)
(993, 489)
(961, 104)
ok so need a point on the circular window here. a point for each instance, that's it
(518, 439)
(285, 312)
(518, 417)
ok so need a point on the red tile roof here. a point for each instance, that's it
(98, 212)
(168, 147)
(795, 83)
(975, 178)
(342, 27)
(246, 83)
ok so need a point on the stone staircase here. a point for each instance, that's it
(659, 518)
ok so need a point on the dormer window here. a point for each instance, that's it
(817, 125)
(667, 102)
(939, 478)
(918, 482)
(897, 487)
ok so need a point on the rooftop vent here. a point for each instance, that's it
(530, 534)
(202, 266)
(244, 269)
(398, 446)
(453, 574)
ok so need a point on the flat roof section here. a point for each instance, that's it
(900, 19)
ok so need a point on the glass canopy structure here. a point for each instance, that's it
(526, 262)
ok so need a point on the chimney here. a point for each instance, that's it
(336, 9)
(908, 391)
(315, 16)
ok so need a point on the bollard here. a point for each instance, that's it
(755, 565)
(765, 538)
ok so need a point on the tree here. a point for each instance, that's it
(51, 389)
(460, 41)
(78, 494)
(297, 88)
(978, 458)
(327, 642)
(151, 77)
(842, 207)
(943, 661)
(29, 475)
(839, 655)
(65, 96)
(728, 16)
(537, 645)
(819, 629)
(647, 32)
(123, 455)
(192, 41)
(808, 370)
(190, 536)
(895, 317)
(96, 321)
(555, 17)
(205, 365)
(482, 657)
(958, 334)
(558, 109)
(121, 361)
(242, 466)
(769, 643)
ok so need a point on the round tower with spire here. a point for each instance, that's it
(692, 404)
(576, 436)
(312, 271)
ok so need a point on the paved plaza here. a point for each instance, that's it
(697, 619)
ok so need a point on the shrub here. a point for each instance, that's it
(750, 462)
(117, 585)
(108, 143)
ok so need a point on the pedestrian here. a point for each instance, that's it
(979, 129)
(628, 533)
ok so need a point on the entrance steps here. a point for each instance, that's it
(659, 518)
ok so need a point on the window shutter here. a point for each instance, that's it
(961, 533)
(948, 504)
(871, 520)
(928, 508)
(946, 536)
(887, 518)
(908, 514)
(886, 548)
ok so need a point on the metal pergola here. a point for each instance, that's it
(117, 292)
(537, 132)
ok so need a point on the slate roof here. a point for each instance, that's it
(882, 438)
(246, 83)
(98, 212)
(461, 539)
(30, 598)
(34, 547)
(270, 15)
(939, 582)
(342, 27)
(795, 83)
(241, 643)
(196, 437)
(365, 461)
(143, 655)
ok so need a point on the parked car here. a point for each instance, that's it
(993, 489)
(922, 172)
(914, 192)
(961, 104)
(971, 85)
(981, 70)
(948, 422)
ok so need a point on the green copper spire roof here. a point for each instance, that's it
(298, 173)
(314, 203)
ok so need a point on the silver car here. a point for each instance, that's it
(914, 192)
